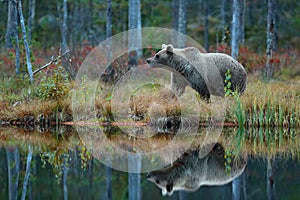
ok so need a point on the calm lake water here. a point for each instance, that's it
(62, 168)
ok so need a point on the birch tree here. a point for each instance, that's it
(27, 50)
(182, 22)
(13, 167)
(235, 28)
(111, 73)
(175, 8)
(64, 31)
(64, 27)
(27, 173)
(134, 38)
(206, 15)
(11, 25)
(31, 16)
(270, 179)
(223, 20)
(16, 36)
(269, 71)
(242, 22)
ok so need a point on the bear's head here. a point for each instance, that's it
(165, 185)
(163, 57)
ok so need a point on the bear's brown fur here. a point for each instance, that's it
(205, 72)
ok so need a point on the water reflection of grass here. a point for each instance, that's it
(255, 142)
(262, 142)
(56, 151)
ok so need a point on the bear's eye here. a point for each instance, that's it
(157, 181)
(157, 56)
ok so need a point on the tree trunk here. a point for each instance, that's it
(242, 22)
(109, 70)
(270, 180)
(206, 13)
(108, 182)
(235, 28)
(27, 172)
(175, 8)
(269, 71)
(182, 22)
(11, 24)
(108, 19)
(64, 31)
(236, 189)
(223, 20)
(64, 27)
(134, 179)
(27, 50)
(31, 18)
(134, 39)
(65, 175)
(13, 167)
(139, 26)
(16, 36)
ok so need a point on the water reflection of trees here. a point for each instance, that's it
(72, 166)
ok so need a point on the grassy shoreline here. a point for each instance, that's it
(274, 104)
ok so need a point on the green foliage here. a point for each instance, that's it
(228, 156)
(85, 157)
(13, 89)
(58, 159)
(54, 87)
(228, 85)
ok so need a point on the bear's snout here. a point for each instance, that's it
(148, 61)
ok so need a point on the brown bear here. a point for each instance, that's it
(204, 72)
(191, 171)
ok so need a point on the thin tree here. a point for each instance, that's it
(65, 175)
(13, 167)
(111, 73)
(64, 31)
(134, 38)
(27, 50)
(271, 39)
(270, 179)
(16, 36)
(182, 22)
(242, 22)
(134, 177)
(27, 172)
(64, 27)
(206, 15)
(11, 25)
(235, 28)
(223, 20)
(175, 8)
(31, 16)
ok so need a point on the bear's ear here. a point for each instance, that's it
(164, 46)
(169, 49)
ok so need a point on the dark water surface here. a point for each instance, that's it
(66, 170)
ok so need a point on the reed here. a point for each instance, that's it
(267, 105)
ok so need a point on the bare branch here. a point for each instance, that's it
(50, 63)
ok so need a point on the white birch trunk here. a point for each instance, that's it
(182, 22)
(27, 50)
(270, 38)
(27, 173)
(31, 16)
(10, 28)
(235, 28)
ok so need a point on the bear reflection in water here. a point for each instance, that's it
(190, 171)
